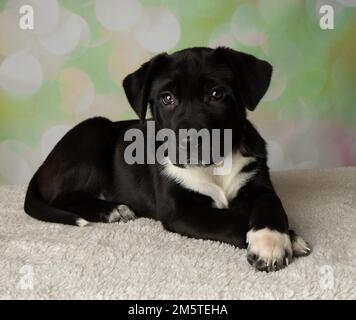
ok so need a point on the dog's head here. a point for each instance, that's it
(199, 88)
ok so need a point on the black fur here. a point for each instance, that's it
(88, 161)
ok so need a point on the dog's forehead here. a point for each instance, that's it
(193, 61)
(195, 65)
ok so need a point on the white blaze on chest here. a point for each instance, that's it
(221, 188)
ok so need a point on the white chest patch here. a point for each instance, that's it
(221, 188)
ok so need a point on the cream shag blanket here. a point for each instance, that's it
(140, 260)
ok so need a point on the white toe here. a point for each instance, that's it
(300, 247)
(81, 222)
(269, 245)
(114, 216)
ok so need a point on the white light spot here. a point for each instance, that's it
(158, 30)
(247, 26)
(21, 73)
(117, 14)
(66, 36)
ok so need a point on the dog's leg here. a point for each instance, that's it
(97, 210)
(270, 245)
(208, 223)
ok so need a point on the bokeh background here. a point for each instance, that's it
(70, 68)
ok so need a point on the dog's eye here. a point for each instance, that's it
(216, 94)
(167, 98)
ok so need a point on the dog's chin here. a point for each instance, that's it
(192, 163)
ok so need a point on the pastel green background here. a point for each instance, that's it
(70, 67)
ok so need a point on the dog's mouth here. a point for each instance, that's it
(196, 150)
(186, 157)
(193, 164)
(190, 163)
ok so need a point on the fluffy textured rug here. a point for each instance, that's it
(140, 260)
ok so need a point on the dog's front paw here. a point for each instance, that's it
(268, 250)
(121, 213)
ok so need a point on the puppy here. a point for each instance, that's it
(86, 178)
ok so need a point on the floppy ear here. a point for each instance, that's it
(252, 75)
(137, 85)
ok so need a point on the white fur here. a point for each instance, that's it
(269, 245)
(101, 196)
(114, 216)
(125, 213)
(82, 222)
(300, 247)
(221, 188)
(121, 213)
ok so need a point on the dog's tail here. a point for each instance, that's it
(36, 207)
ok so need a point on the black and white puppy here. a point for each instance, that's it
(86, 178)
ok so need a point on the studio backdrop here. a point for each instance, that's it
(63, 61)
